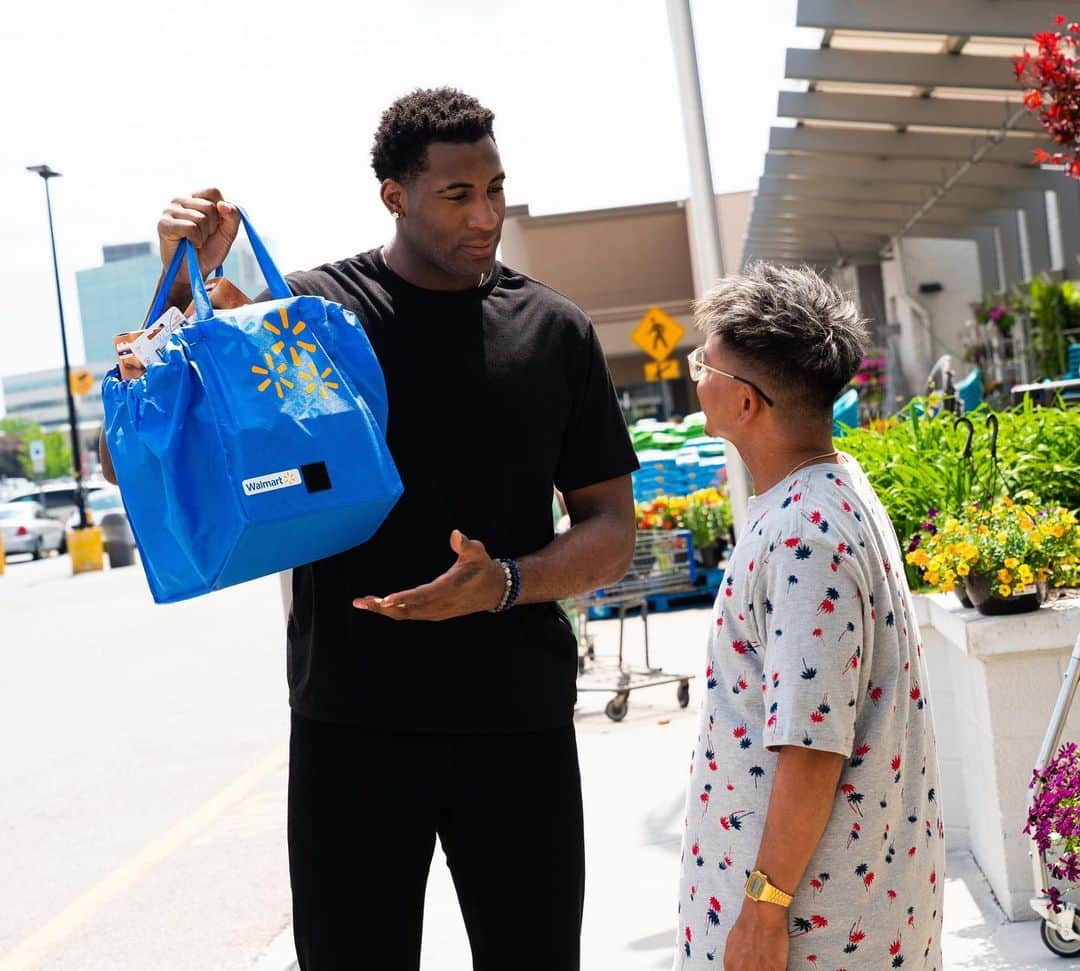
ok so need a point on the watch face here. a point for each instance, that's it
(756, 885)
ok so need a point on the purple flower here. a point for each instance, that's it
(932, 513)
(914, 544)
(996, 314)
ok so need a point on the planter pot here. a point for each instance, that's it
(707, 556)
(961, 594)
(982, 592)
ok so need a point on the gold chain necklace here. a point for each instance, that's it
(813, 458)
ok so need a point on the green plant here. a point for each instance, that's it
(1055, 308)
(914, 461)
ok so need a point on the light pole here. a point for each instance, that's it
(706, 226)
(47, 173)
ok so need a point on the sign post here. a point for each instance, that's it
(37, 457)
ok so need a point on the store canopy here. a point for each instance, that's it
(898, 99)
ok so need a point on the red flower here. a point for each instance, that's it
(1052, 79)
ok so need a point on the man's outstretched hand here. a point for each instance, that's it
(474, 583)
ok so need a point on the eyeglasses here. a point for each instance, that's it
(698, 367)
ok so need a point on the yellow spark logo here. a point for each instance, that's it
(293, 331)
(290, 342)
(319, 381)
(270, 371)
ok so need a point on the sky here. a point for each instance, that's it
(138, 102)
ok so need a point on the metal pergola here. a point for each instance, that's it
(912, 124)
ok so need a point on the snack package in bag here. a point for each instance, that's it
(255, 439)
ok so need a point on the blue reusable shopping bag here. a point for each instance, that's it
(257, 444)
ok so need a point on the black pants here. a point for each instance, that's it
(364, 811)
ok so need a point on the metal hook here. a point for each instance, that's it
(992, 424)
(966, 422)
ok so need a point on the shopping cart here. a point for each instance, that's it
(663, 564)
(1060, 932)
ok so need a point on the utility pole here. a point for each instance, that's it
(706, 225)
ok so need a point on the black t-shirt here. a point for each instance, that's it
(495, 394)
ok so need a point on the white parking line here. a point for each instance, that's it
(27, 954)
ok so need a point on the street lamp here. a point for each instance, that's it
(47, 173)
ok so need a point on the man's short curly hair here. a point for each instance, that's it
(416, 120)
(801, 333)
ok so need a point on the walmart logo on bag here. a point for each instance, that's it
(305, 376)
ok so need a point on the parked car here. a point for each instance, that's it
(58, 498)
(105, 509)
(27, 529)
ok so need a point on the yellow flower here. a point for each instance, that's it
(963, 569)
(932, 578)
(1011, 562)
(918, 558)
(1004, 576)
(1017, 590)
(1004, 590)
(1057, 531)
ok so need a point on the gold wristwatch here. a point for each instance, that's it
(759, 888)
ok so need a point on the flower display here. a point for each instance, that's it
(1054, 817)
(1015, 545)
(706, 513)
(1052, 78)
(1001, 309)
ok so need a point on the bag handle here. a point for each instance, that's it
(279, 289)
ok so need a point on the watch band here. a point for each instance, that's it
(759, 888)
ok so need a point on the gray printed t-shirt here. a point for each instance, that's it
(813, 643)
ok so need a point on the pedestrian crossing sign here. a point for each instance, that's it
(657, 334)
(662, 371)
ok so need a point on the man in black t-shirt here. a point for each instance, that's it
(431, 673)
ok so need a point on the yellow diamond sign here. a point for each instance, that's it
(82, 382)
(662, 371)
(657, 334)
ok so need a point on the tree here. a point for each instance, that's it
(15, 436)
(15, 459)
(57, 455)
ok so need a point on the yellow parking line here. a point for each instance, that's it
(32, 950)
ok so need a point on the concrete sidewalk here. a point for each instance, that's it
(634, 776)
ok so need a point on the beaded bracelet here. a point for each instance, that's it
(513, 585)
